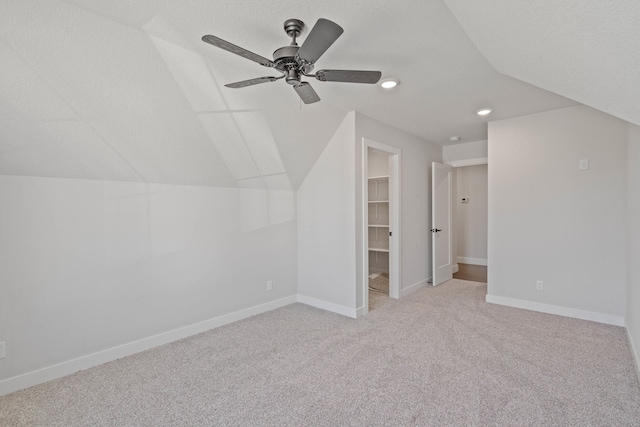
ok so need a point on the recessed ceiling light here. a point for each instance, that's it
(389, 83)
(484, 111)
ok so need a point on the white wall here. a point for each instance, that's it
(471, 217)
(87, 266)
(550, 221)
(326, 226)
(633, 240)
(378, 163)
(417, 155)
(458, 153)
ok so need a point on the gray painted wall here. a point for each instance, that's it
(87, 266)
(471, 217)
(326, 226)
(551, 221)
(633, 240)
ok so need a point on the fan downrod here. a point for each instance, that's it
(293, 28)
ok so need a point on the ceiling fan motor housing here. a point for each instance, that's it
(285, 60)
(285, 55)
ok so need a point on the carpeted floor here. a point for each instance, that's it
(438, 357)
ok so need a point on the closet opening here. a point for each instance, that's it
(381, 222)
(378, 218)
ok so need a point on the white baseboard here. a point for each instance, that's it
(455, 268)
(59, 370)
(474, 261)
(634, 353)
(608, 319)
(413, 288)
(329, 306)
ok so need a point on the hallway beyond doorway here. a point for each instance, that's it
(474, 273)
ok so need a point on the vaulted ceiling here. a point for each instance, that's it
(126, 90)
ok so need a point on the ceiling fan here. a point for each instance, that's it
(295, 61)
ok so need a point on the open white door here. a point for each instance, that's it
(441, 223)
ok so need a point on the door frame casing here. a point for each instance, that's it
(394, 154)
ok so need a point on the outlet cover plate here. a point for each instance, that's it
(584, 164)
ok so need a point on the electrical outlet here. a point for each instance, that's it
(269, 285)
(584, 164)
(3, 350)
(539, 285)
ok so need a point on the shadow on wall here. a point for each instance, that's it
(243, 139)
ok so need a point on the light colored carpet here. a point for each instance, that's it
(441, 356)
(379, 282)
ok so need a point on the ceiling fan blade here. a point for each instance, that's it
(306, 93)
(252, 82)
(348, 76)
(322, 35)
(229, 47)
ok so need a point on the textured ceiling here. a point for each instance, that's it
(586, 50)
(126, 90)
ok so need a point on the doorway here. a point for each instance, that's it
(381, 211)
(470, 203)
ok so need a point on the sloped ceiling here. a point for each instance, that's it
(126, 90)
(586, 50)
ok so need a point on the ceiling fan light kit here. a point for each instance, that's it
(294, 62)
